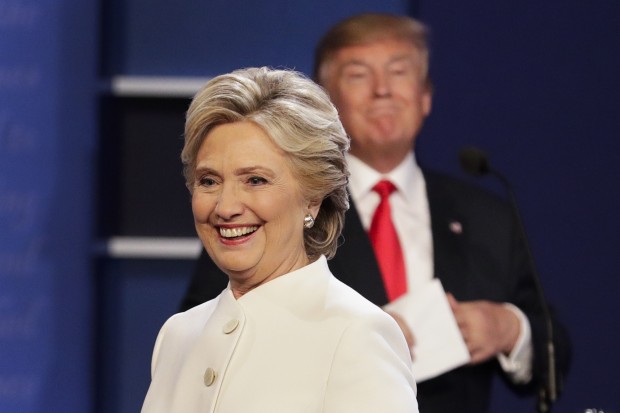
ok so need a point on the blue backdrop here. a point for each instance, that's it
(47, 137)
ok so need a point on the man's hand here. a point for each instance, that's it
(488, 328)
(406, 331)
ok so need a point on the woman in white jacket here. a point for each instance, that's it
(264, 162)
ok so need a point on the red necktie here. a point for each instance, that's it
(386, 245)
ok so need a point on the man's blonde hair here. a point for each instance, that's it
(368, 28)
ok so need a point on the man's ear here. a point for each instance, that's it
(427, 101)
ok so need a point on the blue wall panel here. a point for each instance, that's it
(47, 73)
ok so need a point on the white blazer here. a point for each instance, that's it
(301, 343)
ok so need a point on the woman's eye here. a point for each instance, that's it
(206, 181)
(256, 180)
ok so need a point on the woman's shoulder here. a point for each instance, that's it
(372, 353)
(351, 303)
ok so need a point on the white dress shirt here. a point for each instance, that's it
(411, 217)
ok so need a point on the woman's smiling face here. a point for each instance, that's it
(248, 206)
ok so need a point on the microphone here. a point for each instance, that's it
(475, 162)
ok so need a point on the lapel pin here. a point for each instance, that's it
(456, 227)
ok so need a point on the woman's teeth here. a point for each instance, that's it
(236, 232)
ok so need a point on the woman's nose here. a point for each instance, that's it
(229, 203)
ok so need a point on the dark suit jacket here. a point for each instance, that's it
(486, 261)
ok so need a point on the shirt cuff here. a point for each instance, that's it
(518, 364)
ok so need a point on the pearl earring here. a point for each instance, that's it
(308, 221)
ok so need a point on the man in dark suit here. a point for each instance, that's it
(375, 68)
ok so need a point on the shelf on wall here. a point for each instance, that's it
(156, 86)
(150, 248)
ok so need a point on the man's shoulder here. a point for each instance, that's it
(442, 186)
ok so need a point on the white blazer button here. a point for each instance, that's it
(209, 377)
(230, 326)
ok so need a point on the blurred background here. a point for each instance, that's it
(96, 234)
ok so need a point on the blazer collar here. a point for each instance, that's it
(290, 290)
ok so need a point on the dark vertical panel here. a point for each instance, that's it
(536, 85)
(141, 185)
(112, 32)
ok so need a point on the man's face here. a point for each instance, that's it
(382, 99)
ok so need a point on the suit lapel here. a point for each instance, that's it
(449, 229)
(355, 263)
